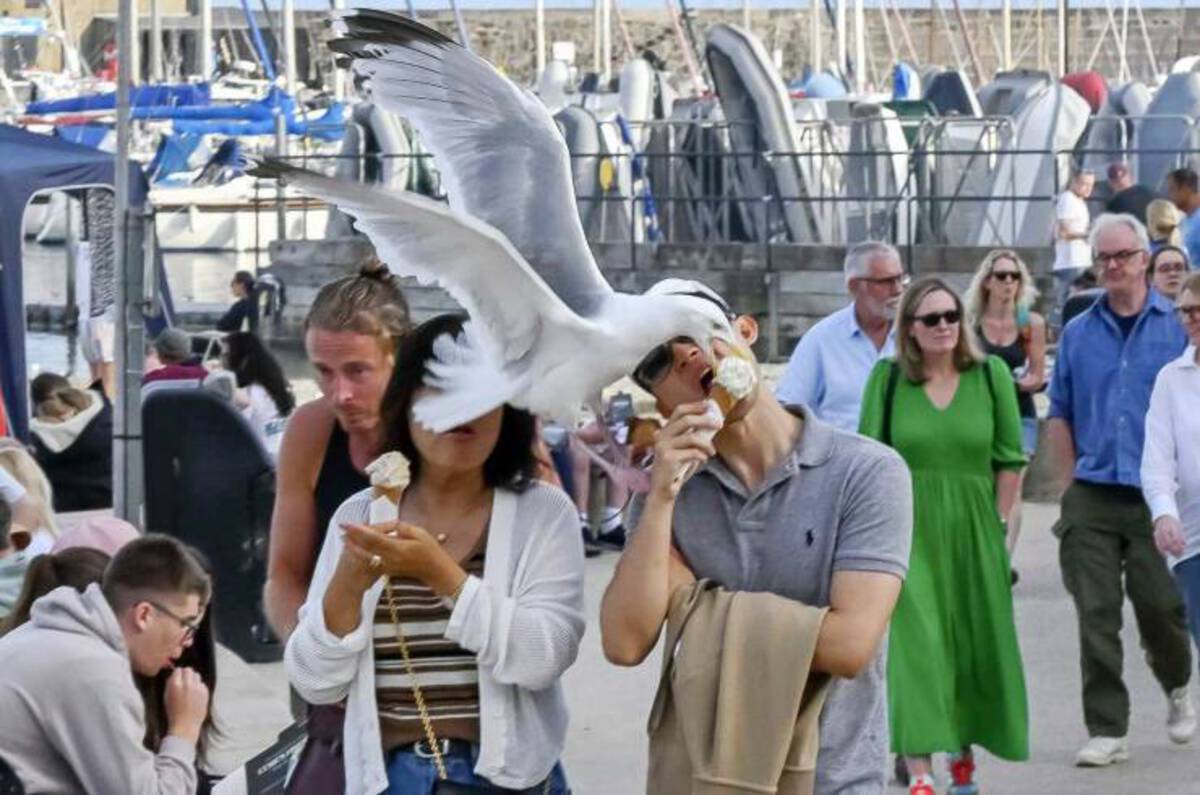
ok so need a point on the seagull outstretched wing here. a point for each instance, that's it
(500, 154)
(476, 264)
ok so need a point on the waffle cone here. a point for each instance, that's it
(724, 400)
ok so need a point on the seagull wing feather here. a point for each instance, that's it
(500, 153)
(473, 262)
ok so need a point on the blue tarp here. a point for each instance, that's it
(92, 135)
(166, 94)
(34, 163)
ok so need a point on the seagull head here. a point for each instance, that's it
(675, 308)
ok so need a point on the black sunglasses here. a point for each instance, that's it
(932, 319)
(1006, 276)
(657, 363)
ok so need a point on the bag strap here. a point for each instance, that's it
(889, 397)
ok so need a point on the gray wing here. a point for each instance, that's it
(500, 154)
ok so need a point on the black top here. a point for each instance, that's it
(337, 481)
(1125, 323)
(81, 474)
(1014, 356)
(1132, 200)
(242, 309)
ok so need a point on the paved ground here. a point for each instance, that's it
(606, 748)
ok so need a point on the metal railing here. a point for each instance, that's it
(688, 186)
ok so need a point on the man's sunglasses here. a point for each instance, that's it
(1006, 276)
(652, 369)
(932, 319)
(189, 628)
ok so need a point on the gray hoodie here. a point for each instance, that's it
(71, 719)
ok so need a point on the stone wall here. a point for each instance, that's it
(787, 287)
(506, 38)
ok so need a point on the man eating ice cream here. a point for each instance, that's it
(764, 497)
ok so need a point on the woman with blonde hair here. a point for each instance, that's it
(72, 441)
(17, 462)
(954, 668)
(999, 307)
(1162, 224)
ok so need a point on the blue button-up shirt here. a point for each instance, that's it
(1102, 384)
(829, 369)
(1190, 231)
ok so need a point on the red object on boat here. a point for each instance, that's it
(1089, 85)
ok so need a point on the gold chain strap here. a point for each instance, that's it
(418, 696)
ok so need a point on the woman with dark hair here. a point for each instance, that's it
(1168, 269)
(243, 314)
(486, 567)
(954, 668)
(263, 396)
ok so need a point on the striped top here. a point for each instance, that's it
(447, 673)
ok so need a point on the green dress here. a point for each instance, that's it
(954, 668)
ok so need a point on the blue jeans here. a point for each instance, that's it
(409, 774)
(1187, 576)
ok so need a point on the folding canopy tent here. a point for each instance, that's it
(30, 163)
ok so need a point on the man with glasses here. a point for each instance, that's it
(1107, 361)
(780, 502)
(73, 720)
(829, 367)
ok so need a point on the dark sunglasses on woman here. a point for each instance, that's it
(932, 319)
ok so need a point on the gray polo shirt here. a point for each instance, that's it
(837, 502)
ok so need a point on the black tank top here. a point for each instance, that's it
(1013, 355)
(337, 480)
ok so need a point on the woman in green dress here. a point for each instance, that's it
(954, 668)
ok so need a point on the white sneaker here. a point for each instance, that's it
(1181, 715)
(1102, 752)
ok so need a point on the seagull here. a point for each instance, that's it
(547, 333)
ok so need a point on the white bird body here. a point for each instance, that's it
(546, 331)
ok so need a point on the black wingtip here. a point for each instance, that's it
(366, 26)
(272, 168)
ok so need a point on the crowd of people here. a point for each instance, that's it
(833, 574)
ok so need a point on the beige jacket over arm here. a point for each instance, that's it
(737, 707)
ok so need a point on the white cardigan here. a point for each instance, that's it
(1171, 455)
(524, 621)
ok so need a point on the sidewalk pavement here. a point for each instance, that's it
(606, 747)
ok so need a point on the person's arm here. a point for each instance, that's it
(636, 600)
(1008, 458)
(874, 537)
(1035, 376)
(529, 637)
(1061, 441)
(1160, 478)
(99, 735)
(322, 654)
(801, 381)
(293, 539)
(1059, 427)
(860, 607)
(233, 317)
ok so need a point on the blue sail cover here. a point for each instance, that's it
(166, 95)
(34, 163)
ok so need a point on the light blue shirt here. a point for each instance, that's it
(1191, 237)
(829, 369)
